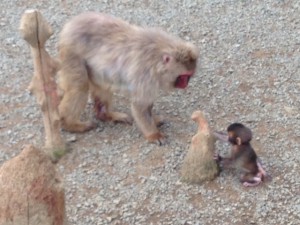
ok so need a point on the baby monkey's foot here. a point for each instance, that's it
(255, 182)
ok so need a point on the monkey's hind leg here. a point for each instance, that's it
(250, 180)
(73, 80)
(102, 106)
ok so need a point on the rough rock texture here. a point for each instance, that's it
(199, 165)
(35, 30)
(31, 190)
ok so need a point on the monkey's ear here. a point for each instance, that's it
(238, 141)
(166, 58)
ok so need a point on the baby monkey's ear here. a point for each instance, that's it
(238, 141)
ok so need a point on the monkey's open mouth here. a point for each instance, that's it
(182, 81)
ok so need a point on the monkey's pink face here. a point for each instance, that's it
(177, 71)
(182, 80)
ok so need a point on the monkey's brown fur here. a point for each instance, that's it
(243, 157)
(199, 164)
(102, 55)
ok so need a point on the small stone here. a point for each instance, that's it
(72, 139)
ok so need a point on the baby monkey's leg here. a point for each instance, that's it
(250, 180)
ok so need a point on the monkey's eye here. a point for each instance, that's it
(191, 60)
(232, 140)
(166, 58)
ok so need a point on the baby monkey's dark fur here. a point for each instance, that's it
(243, 155)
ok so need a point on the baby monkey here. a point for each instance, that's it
(243, 155)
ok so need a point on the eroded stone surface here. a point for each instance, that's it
(31, 190)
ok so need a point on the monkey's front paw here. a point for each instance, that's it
(157, 138)
(159, 120)
(217, 157)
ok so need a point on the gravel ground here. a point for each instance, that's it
(249, 72)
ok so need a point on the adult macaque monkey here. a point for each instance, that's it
(243, 155)
(103, 55)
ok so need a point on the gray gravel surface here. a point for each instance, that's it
(249, 72)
